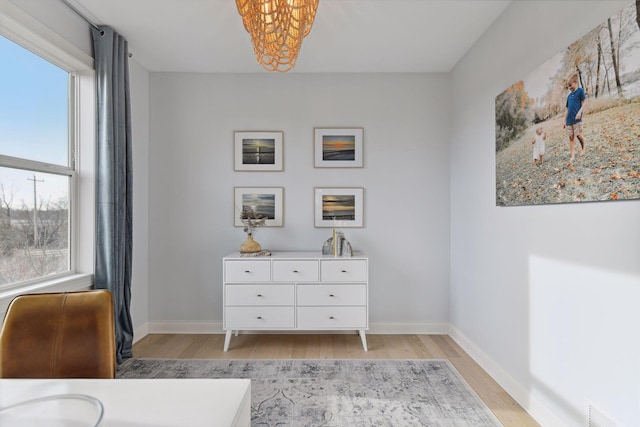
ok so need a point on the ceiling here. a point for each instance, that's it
(347, 36)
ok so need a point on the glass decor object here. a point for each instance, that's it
(78, 410)
(342, 247)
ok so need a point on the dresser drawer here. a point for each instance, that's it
(343, 270)
(295, 271)
(332, 317)
(247, 271)
(265, 294)
(333, 294)
(259, 317)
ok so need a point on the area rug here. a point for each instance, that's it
(338, 393)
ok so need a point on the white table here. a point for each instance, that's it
(145, 402)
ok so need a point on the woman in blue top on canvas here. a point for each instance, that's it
(575, 105)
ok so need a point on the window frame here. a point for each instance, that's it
(26, 31)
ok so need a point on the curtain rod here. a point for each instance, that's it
(87, 20)
(81, 15)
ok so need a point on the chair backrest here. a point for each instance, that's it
(59, 335)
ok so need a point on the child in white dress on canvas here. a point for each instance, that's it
(538, 146)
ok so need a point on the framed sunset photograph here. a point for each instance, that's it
(264, 201)
(338, 147)
(258, 151)
(339, 207)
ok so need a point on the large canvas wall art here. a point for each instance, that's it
(570, 130)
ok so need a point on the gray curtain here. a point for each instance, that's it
(113, 180)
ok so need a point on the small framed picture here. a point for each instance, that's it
(339, 207)
(338, 147)
(258, 151)
(264, 201)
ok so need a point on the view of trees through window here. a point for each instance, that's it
(35, 172)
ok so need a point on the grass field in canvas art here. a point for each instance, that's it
(535, 163)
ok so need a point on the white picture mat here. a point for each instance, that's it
(320, 133)
(240, 165)
(358, 194)
(278, 192)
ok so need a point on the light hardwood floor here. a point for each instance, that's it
(340, 346)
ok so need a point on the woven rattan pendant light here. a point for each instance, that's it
(277, 28)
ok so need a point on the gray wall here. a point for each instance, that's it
(406, 121)
(545, 296)
(139, 85)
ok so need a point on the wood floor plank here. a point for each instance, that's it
(433, 347)
(211, 347)
(446, 344)
(341, 346)
(512, 412)
(301, 343)
(421, 351)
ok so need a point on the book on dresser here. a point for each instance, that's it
(302, 291)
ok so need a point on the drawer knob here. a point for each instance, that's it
(247, 271)
(343, 271)
(259, 295)
(332, 295)
(331, 317)
(295, 271)
(259, 317)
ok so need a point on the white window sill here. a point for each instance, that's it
(71, 283)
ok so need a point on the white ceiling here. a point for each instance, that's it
(347, 36)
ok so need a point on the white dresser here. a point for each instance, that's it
(295, 291)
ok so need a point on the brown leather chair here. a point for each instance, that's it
(59, 335)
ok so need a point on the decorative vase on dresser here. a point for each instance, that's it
(303, 291)
(250, 245)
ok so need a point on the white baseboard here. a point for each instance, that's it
(172, 327)
(140, 332)
(417, 328)
(520, 394)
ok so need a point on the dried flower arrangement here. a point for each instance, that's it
(252, 220)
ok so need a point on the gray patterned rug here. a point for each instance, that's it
(337, 393)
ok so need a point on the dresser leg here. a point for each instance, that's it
(227, 340)
(363, 337)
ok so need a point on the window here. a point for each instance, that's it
(47, 138)
(36, 166)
